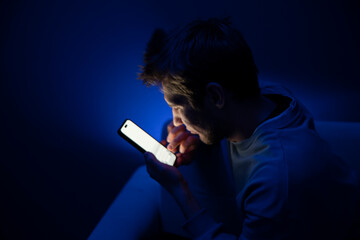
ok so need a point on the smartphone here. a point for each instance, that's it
(145, 143)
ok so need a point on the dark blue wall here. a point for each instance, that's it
(68, 80)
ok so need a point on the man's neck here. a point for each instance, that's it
(244, 117)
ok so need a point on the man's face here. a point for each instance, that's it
(200, 122)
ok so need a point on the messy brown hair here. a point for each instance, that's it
(189, 57)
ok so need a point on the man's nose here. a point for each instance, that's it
(177, 119)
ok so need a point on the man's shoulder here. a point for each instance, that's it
(302, 158)
(272, 153)
(301, 144)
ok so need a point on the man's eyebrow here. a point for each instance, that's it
(171, 104)
(174, 100)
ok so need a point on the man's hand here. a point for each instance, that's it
(167, 176)
(173, 181)
(181, 142)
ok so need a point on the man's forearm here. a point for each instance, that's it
(185, 199)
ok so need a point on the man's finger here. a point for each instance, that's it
(183, 159)
(178, 140)
(149, 158)
(174, 132)
(189, 144)
(152, 163)
(163, 142)
(170, 126)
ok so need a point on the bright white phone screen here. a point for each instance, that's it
(148, 143)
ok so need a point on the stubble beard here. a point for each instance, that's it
(211, 135)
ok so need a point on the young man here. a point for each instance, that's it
(250, 164)
(286, 182)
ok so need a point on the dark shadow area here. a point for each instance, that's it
(55, 185)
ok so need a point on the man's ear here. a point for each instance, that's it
(216, 94)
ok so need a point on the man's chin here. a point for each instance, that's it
(207, 141)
